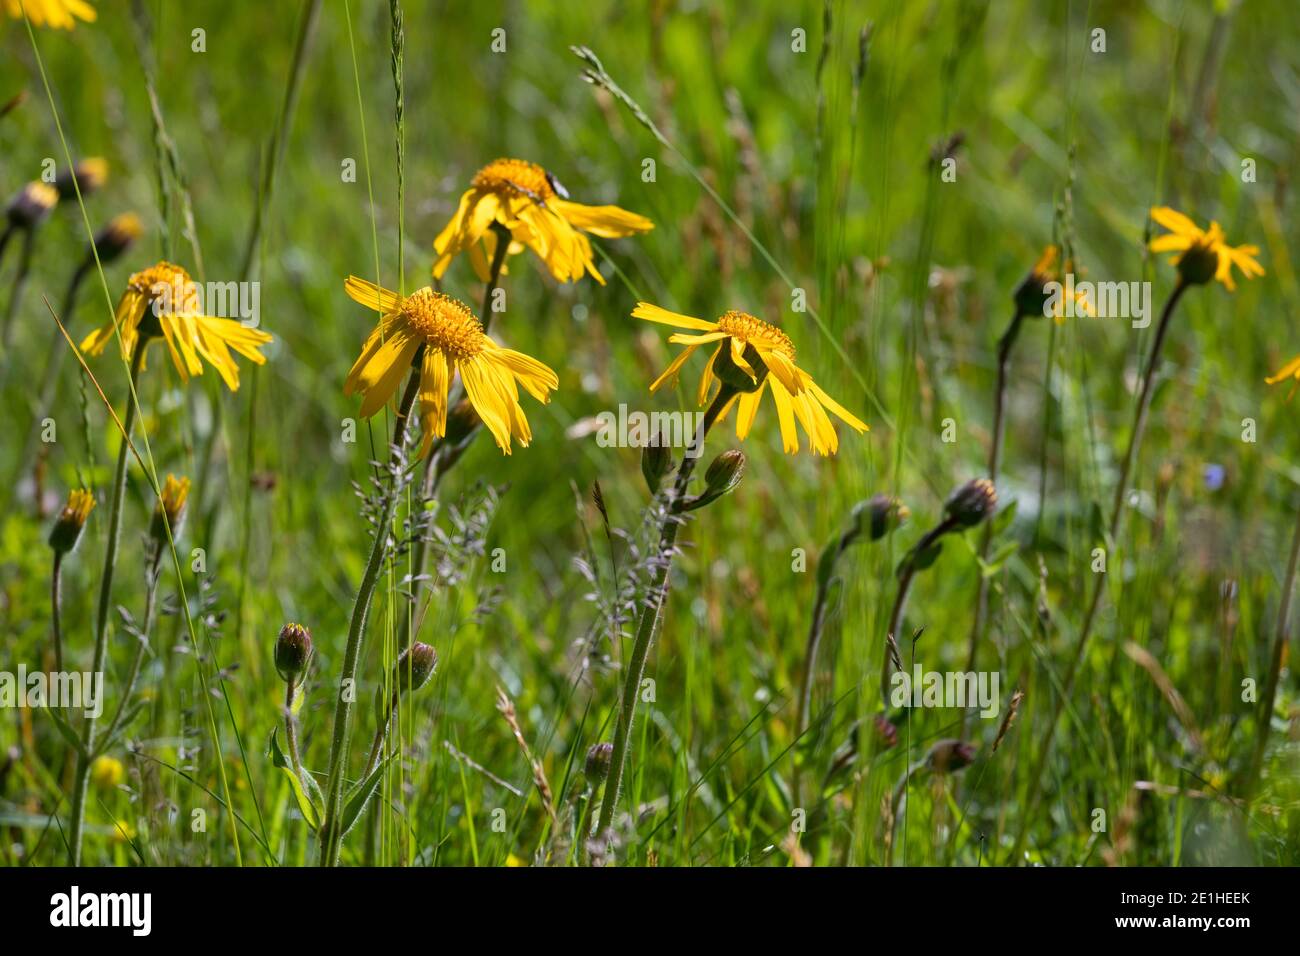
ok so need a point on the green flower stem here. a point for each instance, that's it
(56, 599)
(820, 604)
(19, 285)
(442, 457)
(652, 607)
(330, 835)
(906, 574)
(1034, 793)
(979, 626)
(81, 776)
(290, 729)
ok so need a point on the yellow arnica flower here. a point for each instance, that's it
(448, 339)
(1290, 370)
(175, 491)
(107, 772)
(1032, 297)
(1202, 253)
(743, 342)
(60, 14)
(528, 201)
(67, 527)
(164, 300)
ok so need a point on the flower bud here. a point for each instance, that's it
(879, 515)
(71, 520)
(724, 473)
(31, 205)
(170, 510)
(85, 176)
(292, 651)
(950, 755)
(117, 237)
(972, 502)
(886, 732)
(656, 462)
(1199, 264)
(411, 671)
(599, 758)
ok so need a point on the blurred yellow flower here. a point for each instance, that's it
(60, 14)
(743, 342)
(164, 300)
(1032, 297)
(525, 199)
(446, 338)
(107, 772)
(1203, 254)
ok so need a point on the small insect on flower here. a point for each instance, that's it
(59, 14)
(84, 177)
(1202, 253)
(446, 338)
(169, 512)
(71, 520)
(29, 207)
(748, 349)
(1032, 297)
(530, 203)
(164, 301)
(107, 772)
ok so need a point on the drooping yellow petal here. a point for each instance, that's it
(1170, 242)
(1286, 371)
(785, 416)
(486, 401)
(653, 313)
(1175, 221)
(608, 222)
(670, 373)
(839, 410)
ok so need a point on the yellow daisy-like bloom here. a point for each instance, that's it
(1202, 253)
(743, 342)
(1032, 296)
(164, 300)
(527, 200)
(60, 14)
(449, 339)
(107, 772)
(80, 503)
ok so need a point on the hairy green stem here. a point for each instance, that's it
(906, 574)
(56, 599)
(330, 834)
(651, 609)
(142, 644)
(19, 285)
(979, 626)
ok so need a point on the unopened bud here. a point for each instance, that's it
(879, 515)
(656, 462)
(117, 237)
(950, 755)
(414, 667)
(292, 651)
(1031, 295)
(972, 502)
(599, 758)
(31, 205)
(1199, 264)
(71, 520)
(86, 176)
(169, 512)
(886, 732)
(725, 472)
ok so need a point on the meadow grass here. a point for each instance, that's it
(811, 174)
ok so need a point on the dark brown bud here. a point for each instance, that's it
(86, 176)
(71, 520)
(886, 732)
(879, 515)
(292, 651)
(117, 237)
(972, 502)
(951, 755)
(599, 758)
(31, 205)
(1199, 264)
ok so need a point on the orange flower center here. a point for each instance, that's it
(171, 284)
(515, 176)
(445, 323)
(743, 326)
